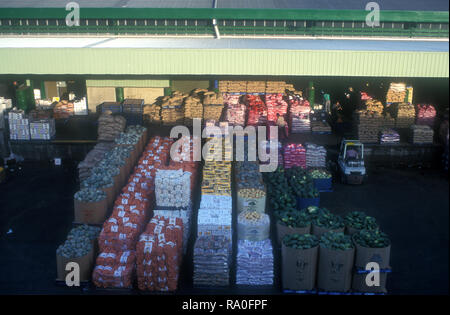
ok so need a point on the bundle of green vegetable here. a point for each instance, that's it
(312, 212)
(336, 241)
(279, 193)
(372, 239)
(300, 241)
(319, 174)
(295, 219)
(359, 220)
(301, 183)
(329, 221)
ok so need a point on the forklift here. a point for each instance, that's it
(351, 166)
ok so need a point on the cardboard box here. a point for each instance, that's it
(299, 268)
(85, 262)
(319, 231)
(364, 255)
(110, 195)
(359, 283)
(283, 230)
(90, 212)
(335, 269)
(350, 231)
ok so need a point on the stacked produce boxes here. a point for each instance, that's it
(236, 110)
(19, 125)
(406, 115)
(367, 125)
(421, 134)
(133, 110)
(43, 129)
(299, 114)
(213, 246)
(396, 93)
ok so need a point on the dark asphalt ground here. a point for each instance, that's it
(411, 205)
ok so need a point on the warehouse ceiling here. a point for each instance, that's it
(410, 5)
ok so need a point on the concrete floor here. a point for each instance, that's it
(411, 205)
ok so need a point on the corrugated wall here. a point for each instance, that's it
(223, 62)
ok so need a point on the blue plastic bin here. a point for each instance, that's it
(323, 184)
(303, 203)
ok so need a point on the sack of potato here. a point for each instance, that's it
(110, 126)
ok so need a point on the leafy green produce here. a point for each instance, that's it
(372, 238)
(313, 212)
(279, 193)
(319, 174)
(300, 241)
(359, 220)
(336, 241)
(295, 219)
(329, 221)
(301, 183)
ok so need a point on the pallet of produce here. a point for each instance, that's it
(396, 93)
(152, 113)
(366, 126)
(159, 254)
(19, 125)
(356, 221)
(63, 110)
(115, 269)
(113, 107)
(320, 127)
(257, 110)
(299, 114)
(256, 87)
(372, 246)
(292, 222)
(426, 115)
(335, 249)
(375, 106)
(326, 222)
(193, 108)
(299, 255)
(212, 260)
(235, 110)
(253, 226)
(421, 134)
(110, 126)
(79, 247)
(389, 136)
(406, 115)
(42, 129)
(323, 180)
(254, 263)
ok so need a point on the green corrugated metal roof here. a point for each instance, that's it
(242, 13)
(128, 83)
(143, 61)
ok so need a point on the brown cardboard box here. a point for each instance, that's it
(319, 231)
(283, 230)
(299, 268)
(359, 283)
(85, 262)
(118, 183)
(350, 231)
(90, 212)
(364, 255)
(110, 196)
(335, 269)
